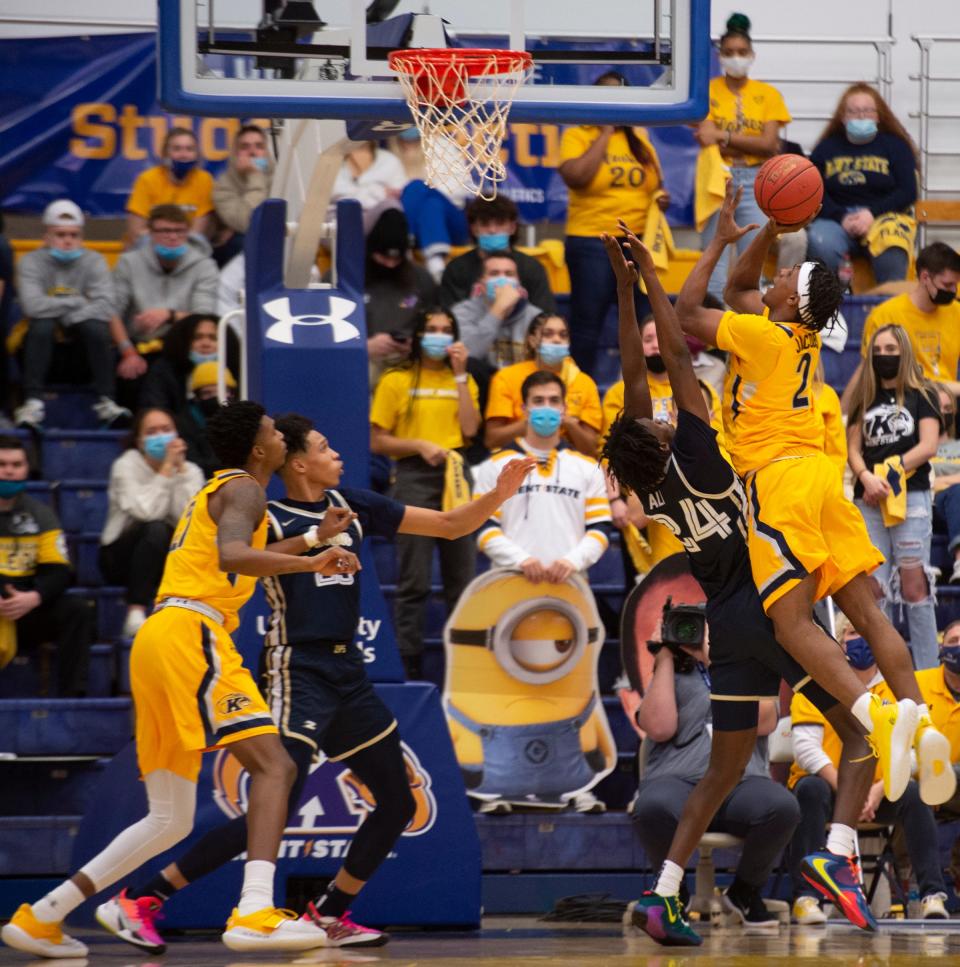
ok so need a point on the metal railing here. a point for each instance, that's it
(229, 321)
(926, 113)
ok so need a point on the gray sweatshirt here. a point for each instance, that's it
(67, 291)
(141, 283)
(501, 343)
(235, 195)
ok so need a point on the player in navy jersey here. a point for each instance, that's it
(683, 480)
(315, 680)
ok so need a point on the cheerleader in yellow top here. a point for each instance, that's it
(742, 131)
(806, 539)
(191, 693)
(611, 173)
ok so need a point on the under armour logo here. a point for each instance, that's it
(340, 309)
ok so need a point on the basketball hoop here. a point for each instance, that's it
(460, 99)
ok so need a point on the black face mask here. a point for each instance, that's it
(885, 367)
(656, 364)
(941, 297)
(208, 406)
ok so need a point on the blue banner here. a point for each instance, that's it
(79, 118)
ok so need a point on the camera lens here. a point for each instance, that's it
(687, 630)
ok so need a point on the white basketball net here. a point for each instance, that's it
(460, 104)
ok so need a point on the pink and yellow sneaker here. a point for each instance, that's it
(343, 932)
(133, 921)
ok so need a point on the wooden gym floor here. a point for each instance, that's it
(527, 942)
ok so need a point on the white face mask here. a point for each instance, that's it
(736, 66)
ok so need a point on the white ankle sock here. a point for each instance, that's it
(861, 711)
(669, 880)
(257, 890)
(58, 904)
(842, 840)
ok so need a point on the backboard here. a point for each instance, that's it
(328, 58)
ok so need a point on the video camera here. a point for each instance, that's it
(682, 626)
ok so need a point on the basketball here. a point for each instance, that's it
(788, 188)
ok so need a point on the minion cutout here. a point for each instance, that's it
(521, 693)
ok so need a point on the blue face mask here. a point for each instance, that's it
(553, 352)
(494, 284)
(155, 445)
(198, 358)
(170, 253)
(498, 242)
(66, 255)
(544, 420)
(861, 130)
(10, 488)
(261, 164)
(859, 654)
(434, 344)
(950, 658)
(180, 169)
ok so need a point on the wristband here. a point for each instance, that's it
(461, 378)
(310, 538)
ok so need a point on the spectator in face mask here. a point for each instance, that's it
(493, 225)
(177, 180)
(202, 403)
(494, 320)
(190, 342)
(150, 484)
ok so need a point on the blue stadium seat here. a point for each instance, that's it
(80, 454)
(839, 367)
(101, 671)
(59, 788)
(607, 369)
(83, 505)
(65, 726)
(609, 569)
(37, 845)
(111, 609)
(84, 555)
(42, 490)
(70, 408)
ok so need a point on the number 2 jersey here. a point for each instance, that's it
(768, 405)
(314, 607)
(701, 502)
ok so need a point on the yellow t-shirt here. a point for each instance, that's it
(193, 570)
(582, 396)
(934, 336)
(621, 188)
(944, 708)
(155, 187)
(768, 402)
(834, 433)
(804, 712)
(661, 397)
(421, 404)
(746, 111)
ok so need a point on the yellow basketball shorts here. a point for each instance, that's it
(800, 523)
(191, 692)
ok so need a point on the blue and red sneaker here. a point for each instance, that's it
(836, 877)
(663, 919)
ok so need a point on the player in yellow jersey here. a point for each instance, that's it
(805, 539)
(191, 693)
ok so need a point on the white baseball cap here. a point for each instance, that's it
(63, 212)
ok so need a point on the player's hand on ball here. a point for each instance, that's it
(334, 560)
(626, 272)
(335, 521)
(512, 475)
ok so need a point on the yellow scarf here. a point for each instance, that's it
(637, 547)
(894, 505)
(456, 487)
(8, 641)
(657, 237)
(710, 185)
(892, 230)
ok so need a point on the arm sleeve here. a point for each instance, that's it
(491, 539)
(597, 521)
(808, 748)
(204, 296)
(904, 169)
(51, 580)
(830, 208)
(34, 301)
(99, 298)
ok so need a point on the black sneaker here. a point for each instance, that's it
(748, 907)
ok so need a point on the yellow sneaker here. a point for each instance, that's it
(25, 932)
(938, 781)
(272, 929)
(892, 735)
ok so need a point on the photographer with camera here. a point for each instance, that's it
(676, 716)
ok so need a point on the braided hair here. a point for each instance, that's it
(634, 456)
(824, 298)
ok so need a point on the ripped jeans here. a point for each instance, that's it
(906, 546)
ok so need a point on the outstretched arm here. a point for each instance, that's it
(636, 391)
(694, 318)
(673, 347)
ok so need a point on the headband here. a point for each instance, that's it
(803, 291)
